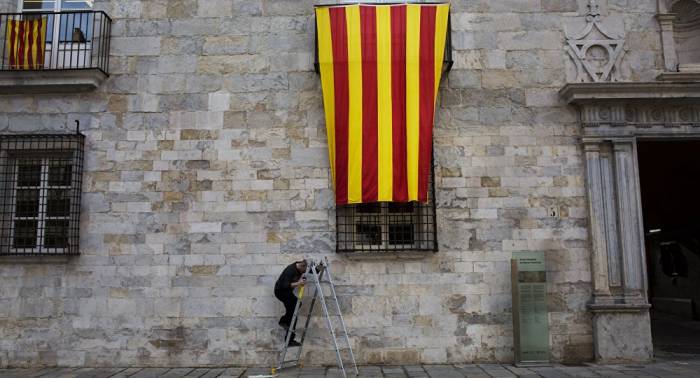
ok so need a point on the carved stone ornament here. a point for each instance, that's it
(596, 52)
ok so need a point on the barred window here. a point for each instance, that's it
(387, 226)
(40, 187)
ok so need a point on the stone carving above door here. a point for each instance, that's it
(595, 50)
(640, 115)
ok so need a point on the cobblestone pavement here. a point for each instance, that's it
(666, 368)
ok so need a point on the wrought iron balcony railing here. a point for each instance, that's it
(40, 41)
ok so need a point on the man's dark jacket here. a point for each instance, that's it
(289, 274)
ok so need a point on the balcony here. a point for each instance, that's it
(53, 52)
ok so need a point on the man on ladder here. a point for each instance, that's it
(318, 273)
(291, 278)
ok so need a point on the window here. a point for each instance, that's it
(387, 226)
(70, 32)
(72, 27)
(40, 184)
(56, 5)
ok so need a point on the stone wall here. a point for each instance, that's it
(207, 172)
(8, 5)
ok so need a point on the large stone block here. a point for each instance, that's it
(136, 46)
(622, 336)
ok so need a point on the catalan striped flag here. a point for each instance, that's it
(25, 43)
(380, 71)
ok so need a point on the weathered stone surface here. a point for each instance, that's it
(613, 349)
(206, 172)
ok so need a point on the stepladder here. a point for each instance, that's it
(319, 287)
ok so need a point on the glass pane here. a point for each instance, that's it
(75, 27)
(370, 208)
(76, 4)
(27, 203)
(58, 203)
(56, 234)
(397, 207)
(29, 172)
(369, 234)
(400, 234)
(46, 19)
(60, 173)
(29, 5)
(24, 234)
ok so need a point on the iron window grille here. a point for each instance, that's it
(40, 190)
(388, 226)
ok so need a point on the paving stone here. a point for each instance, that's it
(96, 373)
(127, 373)
(443, 371)
(232, 373)
(550, 372)
(653, 370)
(212, 373)
(472, 371)
(14, 373)
(58, 373)
(177, 373)
(150, 373)
(497, 371)
(577, 371)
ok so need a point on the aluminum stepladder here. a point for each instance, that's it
(315, 274)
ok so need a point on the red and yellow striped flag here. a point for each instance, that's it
(380, 71)
(26, 43)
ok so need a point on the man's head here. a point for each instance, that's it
(301, 266)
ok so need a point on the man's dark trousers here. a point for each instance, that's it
(290, 302)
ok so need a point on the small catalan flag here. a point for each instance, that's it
(380, 70)
(26, 43)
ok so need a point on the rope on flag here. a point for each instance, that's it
(380, 71)
(26, 43)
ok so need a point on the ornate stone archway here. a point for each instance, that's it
(613, 116)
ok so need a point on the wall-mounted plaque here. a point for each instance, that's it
(530, 321)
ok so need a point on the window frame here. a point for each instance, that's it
(63, 42)
(63, 150)
(42, 215)
(57, 8)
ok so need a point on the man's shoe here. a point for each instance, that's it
(293, 343)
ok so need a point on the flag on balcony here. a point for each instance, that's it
(380, 71)
(26, 43)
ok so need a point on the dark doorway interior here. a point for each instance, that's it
(670, 185)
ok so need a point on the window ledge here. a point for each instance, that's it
(36, 259)
(51, 81)
(402, 255)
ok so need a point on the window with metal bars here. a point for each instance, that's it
(40, 190)
(388, 226)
